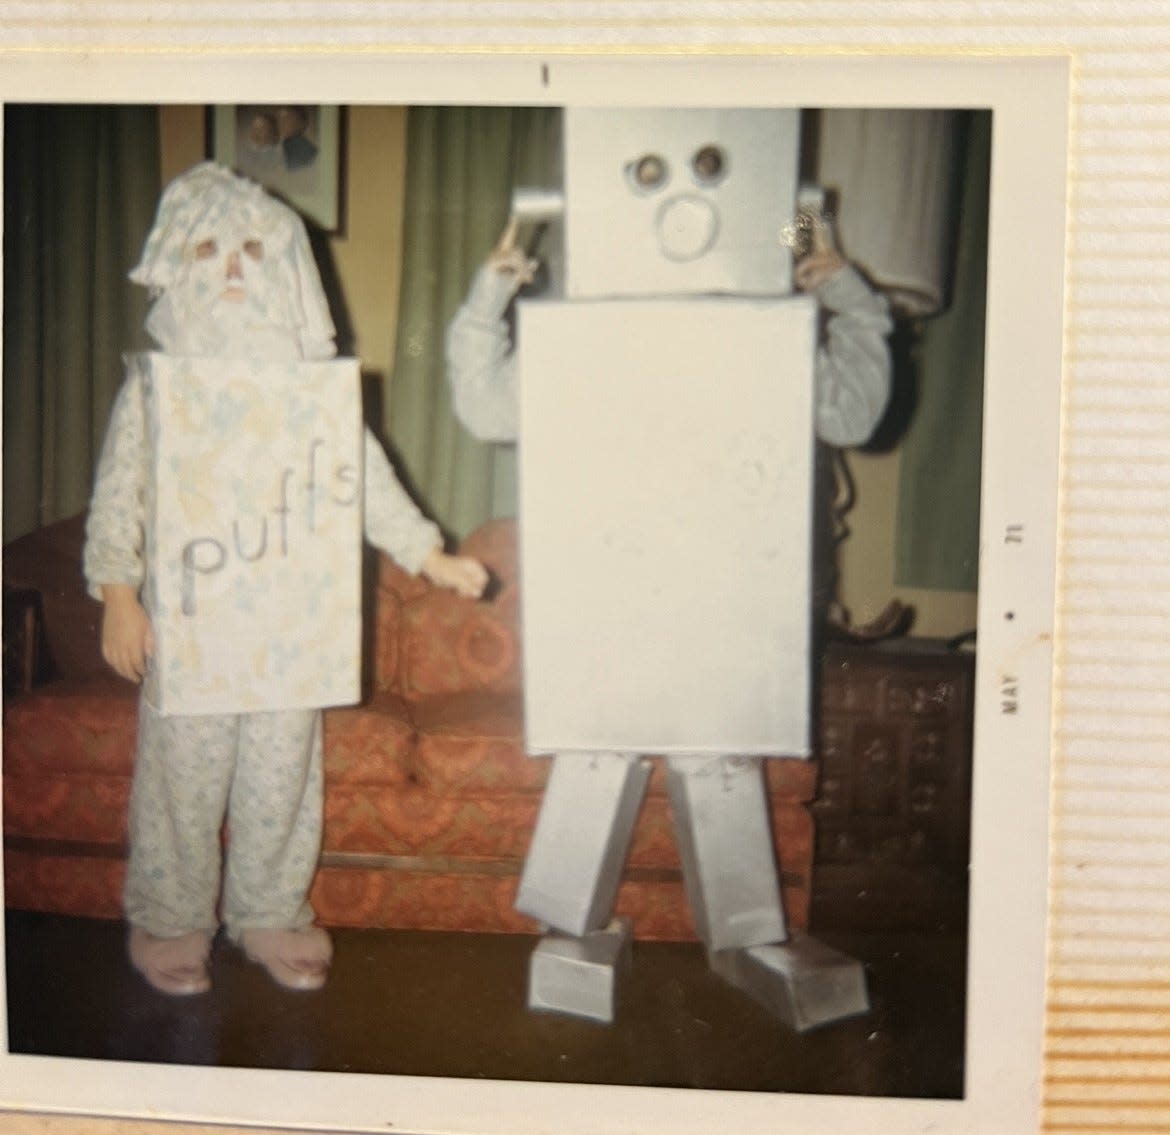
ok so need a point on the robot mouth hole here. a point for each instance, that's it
(687, 228)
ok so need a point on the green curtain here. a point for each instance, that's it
(80, 188)
(461, 166)
(937, 543)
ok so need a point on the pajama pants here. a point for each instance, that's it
(264, 773)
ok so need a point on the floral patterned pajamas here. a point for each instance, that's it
(265, 770)
(218, 233)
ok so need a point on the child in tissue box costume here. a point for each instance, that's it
(235, 281)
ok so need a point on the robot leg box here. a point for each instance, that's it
(580, 976)
(587, 816)
(803, 982)
(728, 856)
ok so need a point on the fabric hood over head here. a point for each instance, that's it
(209, 203)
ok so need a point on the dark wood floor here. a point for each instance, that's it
(422, 1004)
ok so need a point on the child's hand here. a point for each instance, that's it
(464, 575)
(823, 261)
(127, 637)
(509, 260)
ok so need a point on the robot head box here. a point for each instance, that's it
(676, 202)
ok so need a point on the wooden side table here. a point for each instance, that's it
(893, 804)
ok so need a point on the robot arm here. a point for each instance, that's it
(481, 366)
(853, 364)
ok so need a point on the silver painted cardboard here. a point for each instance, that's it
(578, 849)
(725, 843)
(692, 232)
(580, 976)
(804, 982)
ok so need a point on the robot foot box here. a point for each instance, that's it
(579, 976)
(804, 982)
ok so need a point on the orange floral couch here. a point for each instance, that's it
(430, 799)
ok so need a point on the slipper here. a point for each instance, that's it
(296, 959)
(176, 966)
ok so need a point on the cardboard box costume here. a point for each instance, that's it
(687, 384)
(254, 527)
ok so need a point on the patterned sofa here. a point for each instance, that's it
(430, 798)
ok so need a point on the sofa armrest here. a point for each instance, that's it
(49, 561)
(27, 660)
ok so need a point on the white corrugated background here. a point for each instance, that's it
(1108, 1034)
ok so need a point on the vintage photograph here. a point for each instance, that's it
(527, 633)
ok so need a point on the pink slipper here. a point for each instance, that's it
(177, 966)
(297, 959)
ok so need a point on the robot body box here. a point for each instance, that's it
(254, 522)
(665, 524)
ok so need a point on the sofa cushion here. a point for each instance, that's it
(449, 644)
(410, 821)
(382, 630)
(87, 727)
(472, 744)
(392, 580)
(369, 744)
(68, 755)
(71, 807)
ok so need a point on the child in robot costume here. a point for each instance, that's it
(233, 277)
(852, 372)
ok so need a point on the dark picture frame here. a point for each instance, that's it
(293, 150)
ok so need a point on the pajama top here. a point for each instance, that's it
(115, 530)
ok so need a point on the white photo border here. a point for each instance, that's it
(1029, 99)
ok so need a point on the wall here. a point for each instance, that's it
(368, 257)
(867, 557)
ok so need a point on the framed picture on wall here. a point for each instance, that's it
(293, 150)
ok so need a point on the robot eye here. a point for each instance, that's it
(254, 249)
(648, 172)
(206, 249)
(709, 165)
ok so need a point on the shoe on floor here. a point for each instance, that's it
(296, 959)
(177, 966)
